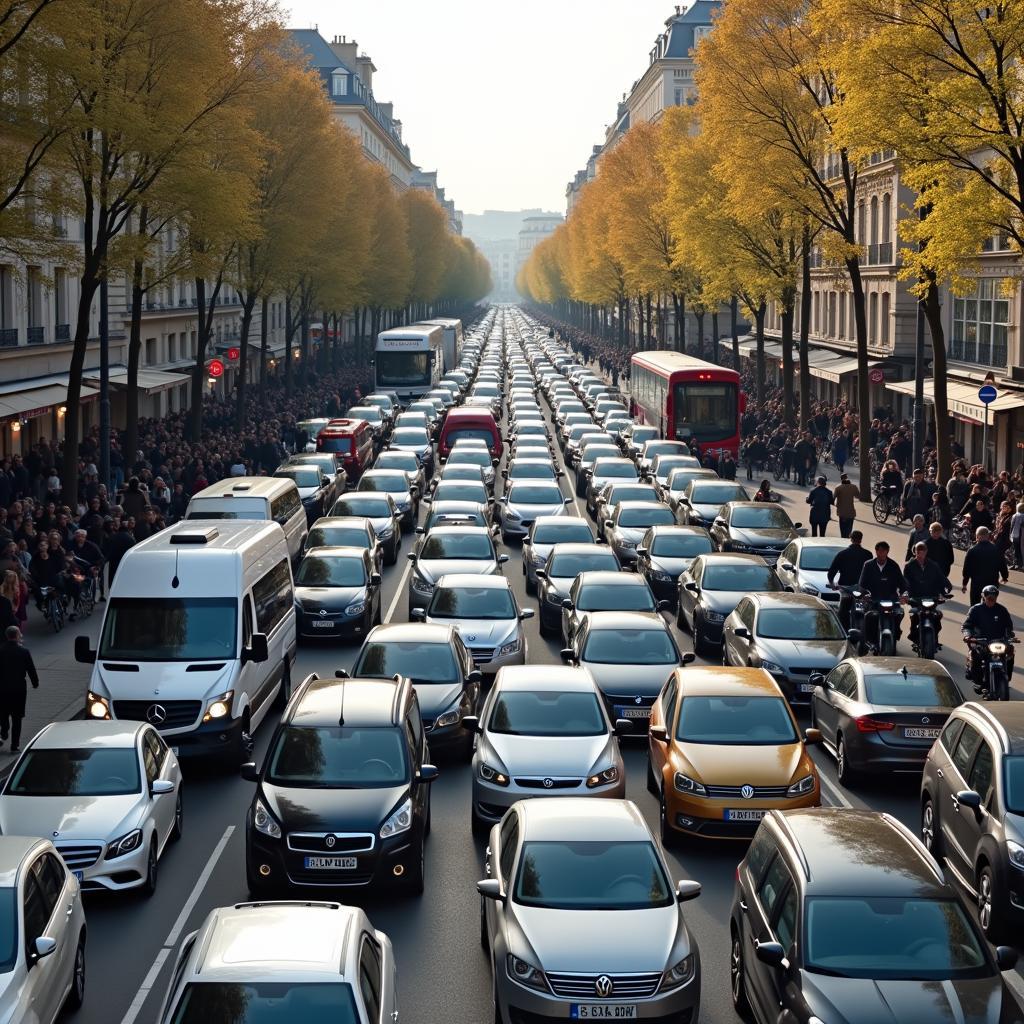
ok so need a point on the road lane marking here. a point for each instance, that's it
(149, 982)
(826, 783)
(399, 591)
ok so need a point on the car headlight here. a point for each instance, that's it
(512, 515)
(711, 616)
(805, 785)
(553, 597)
(1016, 854)
(399, 821)
(687, 785)
(526, 974)
(808, 589)
(513, 647)
(219, 707)
(678, 975)
(125, 844)
(356, 608)
(421, 586)
(386, 531)
(97, 706)
(264, 821)
(772, 667)
(624, 542)
(605, 778)
(448, 718)
(537, 561)
(664, 577)
(489, 774)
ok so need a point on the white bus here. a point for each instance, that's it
(452, 341)
(408, 360)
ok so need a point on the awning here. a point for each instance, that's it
(38, 401)
(772, 349)
(838, 367)
(962, 399)
(150, 382)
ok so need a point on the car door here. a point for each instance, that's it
(414, 737)
(967, 824)
(790, 556)
(688, 596)
(371, 981)
(663, 713)
(762, 913)
(165, 803)
(952, 817)
(831, 698)
(46, 981)
(502, 861)
(738, 647)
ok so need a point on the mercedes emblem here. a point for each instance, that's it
(548, 783)
(323, 613)
(604, 986)
(638, 699)
(156, 714)
(747, 792)
(329, 842)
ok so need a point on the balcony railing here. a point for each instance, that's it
(981, 353)
(36, 335)
(8, 337)
(62, 332)
(885, 252)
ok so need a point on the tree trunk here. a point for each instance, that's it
(264, 339)
(195, 410)
(863, 393)
(649, 340)
(759, 315)
(734, 331)
(248, 305)
(940, 405)
(805, 326)
(699, 314)
(304, 344)
(682, 321)
(131, 398)
(788, 297)
(714, 336)
(289, 329)
(677, 325)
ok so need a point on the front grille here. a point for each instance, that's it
(482, 654)
(760, 792)
(555, 783)
(636, 986)
(810, 671)
(179, 713)
(629, 698)
(78, 856)
(316, 842)
(517, 1016)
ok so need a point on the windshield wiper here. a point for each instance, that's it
(827, 971)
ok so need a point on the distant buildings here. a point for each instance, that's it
(506, 238)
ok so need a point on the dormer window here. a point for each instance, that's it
(339, 83)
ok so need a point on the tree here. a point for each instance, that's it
(427, 228)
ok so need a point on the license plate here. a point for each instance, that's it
(330, 863)
(322, 624)
(635, 712)
(807, 687)
(915, 733)
(79, 875)
(602, 1011)
(744, 815)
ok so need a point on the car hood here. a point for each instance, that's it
(777, 537)
(727, 765)
(802, 652)
(480, 632)
(433, 569)
(381, 524)
(865, 1001)
(569, 756)
(673, 566)
(331, 810)
(630, 533)
(527, 511)
(817, 578)
(706, 511)
(722, 601)
(73, 817)
(307, 492)
(436, 697)
(643, 680)
(312, 599)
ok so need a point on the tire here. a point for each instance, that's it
(998, 689)
(76, 996)
(378, 617)
(152, 871)
(931, 833)
(698, 637)
(846, 775)
(480, 827)
(880, 508)
(179, 817)
(285, 689)
(927, 643)
(485, 942)
(680, 619)
(412, 881)
(990, 913)
(737, 971)
(531, 588)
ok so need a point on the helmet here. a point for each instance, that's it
(990, 591)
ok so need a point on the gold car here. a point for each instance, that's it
(724, 750)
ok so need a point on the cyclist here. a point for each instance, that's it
(987, 620)
(89, 557)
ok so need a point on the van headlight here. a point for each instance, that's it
(97, 706)
(264, 822)
(125, 844)
(220, 707)
(399, 821)
(678, 975)
(805, 785)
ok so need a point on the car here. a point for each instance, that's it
(524, 501)
(461, 549)
(408, 462)
(700, 504)
(712, 586)
(543, 535)
(343, 797)
(531, 469)
(279, 962)
(372, 415)
(485, 613)
(382, 512)
(665, 553)
(632, 519)
(724, 748)
(662, 466)
(387, 403)
(414, 440)
(753, 527)
(42, 969)
(792, 636)
(635, 437)
(804, 564)
(107, 792)
(972, 810)
(560, 873)
(839, 914)
(463, 454)
(659, 446)
(598, 445)
(630, 655)
(543, 732)
(604, 469)
(609, 497)
(347, 532)
(881, 715)
(605, 591)
(455, 513)
(675, 486)
(327, 462)
(395, 483)
(460, 471)
(441, 668)
(564, 563)
(463, 490)
(337, 593)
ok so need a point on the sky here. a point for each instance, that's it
(504, 100)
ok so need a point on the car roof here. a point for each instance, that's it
(561, 521)
(460, 531)
(638, 504)
(407, 632)
(337, 551)
(13, 851)
(580, 547)
(726, 681)
(359, 521)
(873, 666)
(782, 599)
(621, 579)
(814, 542)
(1006, 719)
(731, 505)
(582, 820)
(364, 701)
(731, 558)
(689, 531)
(548, 678)
(468, 579)
(623, 620)
(88, 733)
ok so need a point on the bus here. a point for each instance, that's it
(452, 340)
(408, 360)
(687, 399)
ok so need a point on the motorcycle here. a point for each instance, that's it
(927, 642)
(995, 681)
(888, 623)
(858, 610)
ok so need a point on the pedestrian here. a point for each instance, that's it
(9, 597)
(917, 494)
(940, 550)
(918, 534)
(806, 457)
(845, 496)
(16, 669)
(821, 501)
(1016, 529)
(983, 565)
(135, 499)
(764, 492)
(117, 547)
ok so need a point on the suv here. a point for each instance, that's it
(342, 798)
(972, 809)
(841, 915)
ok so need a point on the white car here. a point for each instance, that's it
(42, 933)
(108, 793)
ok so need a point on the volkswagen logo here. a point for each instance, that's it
(323, 613)
(747, 792)
(604, 986)
(925, 720)
(329, 842)
(638, 699)
(156, 714)
(548, 783)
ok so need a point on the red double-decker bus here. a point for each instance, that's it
(686, 398)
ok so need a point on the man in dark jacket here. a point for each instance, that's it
(117, 547)
(925, 580)
(940, 550)
(917, 494)
(883, 579)
(984, 564)
(820, 499)
(806, 458)
(135, 499)
(845, 571)
(16, 668)
(987, 620)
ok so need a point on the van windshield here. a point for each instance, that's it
(169, 629)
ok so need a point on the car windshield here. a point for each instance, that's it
(405, 461)
(532, 471)
(631, 492)
(335, 757)
(74, 771)
(749, 578)
(892, 938)
(679, 478)
(170, 629)
(530, 427)
(1014, 768)
(468, 457)
(911, 690)
(609, 470)
(665, 464)
(471, 433)
(8, 929)
(457, 545)
(570, 565)
(636, 518)
(471, 603)
(397, 369)
(461, 490)
(654, 448)
(385, 483)
(334, 444)
(763, 517)
(742, 721)
(628, 596)
(798, 624)
(200, 510)
(630, 647)
(592, 876)
(534, 494)
(530, 713)
(818, 559)
(370, 413)
(411, 436)
(330, 571)
(680, 545)
(265, 1002)
(372, 506)
(564, 532)
(421, 662)
(715, 493)
(338, 536)
(303, 476)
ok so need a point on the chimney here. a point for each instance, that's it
(364, 69)
(345, 51)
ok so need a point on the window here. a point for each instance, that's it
(873, 319)
(785, 926)
(951, 733)
(53, 875)
(885, 319)
(862, 217)
(508, 838)
(149, 760)
(35, 911)
(970, 740)
(842, 314)
(759, 853)
(283, 507)
(246, 622)
(669, 704)
(369, 978)
(886, 236)
(157, 748)
(415, 726)
(981, 325)
(775, 881)
(980, 779)
(874, 227)
(273, 596)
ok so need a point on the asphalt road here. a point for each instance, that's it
(444, 977)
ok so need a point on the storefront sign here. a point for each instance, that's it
(216, 368)
(876, 376)
(234, 353)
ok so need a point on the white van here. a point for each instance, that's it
(198, 636)
(255, 497)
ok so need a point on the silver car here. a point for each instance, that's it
(406, 461)
(626, 528)
(524, 501)
(283, 961)
(793, 636)
(42, 969)
(396, 483)
(804, 564)
(702, 501)
(461, 455)
(546, 532)
(450, 549)
(678, 479)
(484, 612)
(107, 792)
(580, 917)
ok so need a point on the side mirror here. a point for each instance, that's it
(412, 554)
(158, 787)
(490, 889)
(427, 773)
(257, 651)
(418, 615)
(568, 655)
(609, 523)
(250, 772)
(341, 673)
(420, 530)
(663, 606)
(471, 722)
(375, 579)
(686, 890)
(788, 566)
(567, 603)
(566, 501)
(502, 559)
(816, 679)
(692, 587)
(641, 550)
(688, 658)
(968, 798)
(541, 574)
(43, 947)
(623, 727)
(771, 953)
(798, 526)
(854, 636)
(659, 733)
(742, 632)
(812, 737)
(1006, 958)
(527, 613)
(84, 651)
(475, 676)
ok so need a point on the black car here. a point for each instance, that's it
(564, 563)
(347, 532)
(317, 491)
(337, 593)
(841, 915)
(342, 799)
(665, 553)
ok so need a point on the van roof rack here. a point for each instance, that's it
(196, 536)
(240, 487)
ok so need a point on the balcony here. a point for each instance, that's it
(885, 252)
(62, 332)
(8, 337)
(36, 336)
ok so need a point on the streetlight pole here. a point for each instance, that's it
(105, 387)
(919, 417)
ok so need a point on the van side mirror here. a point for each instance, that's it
(159, 787)
(84, 651)
(257, 650)
(527, 613)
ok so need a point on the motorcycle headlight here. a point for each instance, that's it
(356, 608)
(526, 974)
(679, 974)
(448, 718)
(421, 586)
(772, 667)
(687, 785)
(605, 778)
(399, 821)
(219, 707)
(808, 589)
(264, 822)
(1015, 852)
(125, 844)
(513, 647)
(805, 785)
(97, 706)
(489, 774)
(711, 616)
(997, 648)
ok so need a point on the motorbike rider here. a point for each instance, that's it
(924, 580)
(883, 579)
(987, 620)
(847, 566)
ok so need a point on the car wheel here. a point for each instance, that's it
(740, 1002)
(152, 871)
(931, 833)
(989, 900)
(652, 781)
(846, 775)
(176, 828)
(698, 637)
(498, 1018)
(415, 874)
(77, 994)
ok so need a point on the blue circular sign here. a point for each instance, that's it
(987, 394)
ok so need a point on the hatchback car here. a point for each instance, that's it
(678, 480)
(524, 501)
(665, 553)
(544, 731)
(565, 562)
(633, 439)
(337, 593)
(327, 462)
(342, 798)
(658, 446)
(605, 469)
(455, 513)
(632, 519)
(394, 482)
(283, 962)
(347, 532)
(317, 490)
(701, 503)
(561, 873)
(605, 591)
(754, 527)
(383, 514)
(405, 461)
(725, 749)
(546, 532)
(612, 494)
(804, 564)
(462, 455)
(445, 549)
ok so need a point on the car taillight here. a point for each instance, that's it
(866, 724)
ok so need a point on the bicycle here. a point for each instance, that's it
(889, 504)
(52, 602)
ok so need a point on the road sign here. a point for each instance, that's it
(987, 394)
(234, 353)
(876, 376)
(216, 368)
